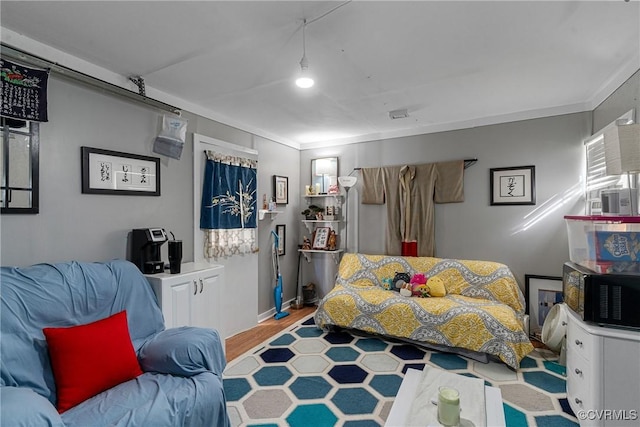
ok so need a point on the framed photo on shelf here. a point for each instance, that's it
(321, 238)
(513, 186)
(540, 293)
(281, 231)
(281, 189)
(113, 172)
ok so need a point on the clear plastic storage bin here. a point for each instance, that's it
(605, 244)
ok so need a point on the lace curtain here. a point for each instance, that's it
(229, 209)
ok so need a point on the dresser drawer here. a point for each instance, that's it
(582, 382)
(581, 341)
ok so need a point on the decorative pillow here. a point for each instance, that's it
(89, 359)
(436, 287)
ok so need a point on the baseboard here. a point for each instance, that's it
(269, 314)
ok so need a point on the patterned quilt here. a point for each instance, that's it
(482, 310)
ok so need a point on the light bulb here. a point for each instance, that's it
(304, 82)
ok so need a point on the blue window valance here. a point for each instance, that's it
(229, 208)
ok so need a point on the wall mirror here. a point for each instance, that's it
(19, 157)
(324, 173)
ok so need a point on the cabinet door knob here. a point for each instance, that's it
(578, 371)
(579, 343)
(578, 401)
(195, 287)
(564, 323)
(201, 285)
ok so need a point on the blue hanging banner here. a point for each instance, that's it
(24, 92)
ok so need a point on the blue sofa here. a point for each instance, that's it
(181, 384)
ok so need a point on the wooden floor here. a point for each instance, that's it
(245, 341)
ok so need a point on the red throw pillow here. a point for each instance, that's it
(89, 359)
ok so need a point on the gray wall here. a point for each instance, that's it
(277, 159)
(86, 227)
(530, 239)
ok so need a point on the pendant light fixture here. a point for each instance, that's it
(304, 81)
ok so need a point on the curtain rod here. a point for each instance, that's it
(25, 58)
(467, 163)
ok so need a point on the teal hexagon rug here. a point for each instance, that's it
(306, 377)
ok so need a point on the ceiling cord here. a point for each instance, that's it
(326, 13)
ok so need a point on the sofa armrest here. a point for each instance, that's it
(184, 351)
(24, 407)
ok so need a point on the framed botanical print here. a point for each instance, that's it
(281, 189)
(281, 231)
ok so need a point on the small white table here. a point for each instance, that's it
(402, 403)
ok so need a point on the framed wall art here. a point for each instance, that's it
(281, 189)
(281, 231)
(113, 172)
(321, 238)
(513, 186)
(540, 293)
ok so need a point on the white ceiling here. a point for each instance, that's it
(451, 64)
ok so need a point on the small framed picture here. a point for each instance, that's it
(281, 189)
(321, 238)
(281, 231)
(513, 186)
(541, 293)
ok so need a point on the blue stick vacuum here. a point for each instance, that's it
(277, 292)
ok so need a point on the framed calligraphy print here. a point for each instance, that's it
(113, 172)
(513, 186)
(321, 238)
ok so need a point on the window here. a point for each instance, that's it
(20, 166)
(596, 176)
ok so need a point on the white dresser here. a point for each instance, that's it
(191, 297)
(603, 374)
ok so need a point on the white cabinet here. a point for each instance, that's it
(192, 297)
(603, 374)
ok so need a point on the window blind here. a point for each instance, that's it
(596, 178)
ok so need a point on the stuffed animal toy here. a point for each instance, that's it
(420, 290)
(417, 281)
(387, 283)
(436, 287)
(405, 290)
(399, 280)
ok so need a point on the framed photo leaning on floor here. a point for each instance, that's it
(541, 293)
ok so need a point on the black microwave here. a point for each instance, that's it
(605, 299)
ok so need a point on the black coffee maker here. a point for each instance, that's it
(145, 249)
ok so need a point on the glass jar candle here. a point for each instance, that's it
(448, 406)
